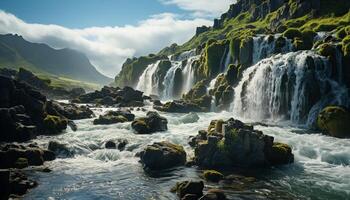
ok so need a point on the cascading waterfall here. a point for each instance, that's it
(169, 80)
(212, 86)
(264, 47)
(188, 74)
(293, 86)
(148, 83)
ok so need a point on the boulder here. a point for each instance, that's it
(334, 121)
(153, 122)
(113, 117)
(110, 145)
(212, 175)
(59, 148)
(252, 147)
(54, 124)
(163, 155)
(121, 144)
(69, 111)
(179, 106)
(190, 188)
(214, 194)
(5, 188)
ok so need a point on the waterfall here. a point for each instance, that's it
(169, 80)
(147, 82)
(293, 86)
(265, 46)
(188, 74)
(225, 60)
(212, 86)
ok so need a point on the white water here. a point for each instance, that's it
(321, 169)
(263, 48)
(168, 81)
(280, 87)
(147, 82)
(188, 74)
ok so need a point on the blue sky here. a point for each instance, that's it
(83, 13)
(108, 31)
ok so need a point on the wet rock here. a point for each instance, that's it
(334, 121)
(110, 145)
(189, 188)
(162, 155)
(5, 188)
(19, 184)
(121, 144)
(113, 117)
(69, 111)
(252, 147)
(212, 175)
(54, 124)
(179, 106)
(153, 122)
(59, 148)
(189, 118)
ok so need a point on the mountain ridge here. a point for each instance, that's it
(17, 52)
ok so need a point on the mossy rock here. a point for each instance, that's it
(212, 175)
(326, 50)
(280, 154)
(54, 124)
(109, 119)
(334, 121)
(346, 46)
(215, 126)
(21, 163)
(292, 33)
(213, 57)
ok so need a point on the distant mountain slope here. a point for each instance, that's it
(16, 52)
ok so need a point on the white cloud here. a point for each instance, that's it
(202, 8)
(108, 47)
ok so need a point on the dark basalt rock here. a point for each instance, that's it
(162, 155)
(110, 96)
(60, 149)
(110, 145)
(113, 117)
(68, 110)
(179, 106)
(193, 189)
(153, 122)
(214, 194)
(252, 147)
(19, 156)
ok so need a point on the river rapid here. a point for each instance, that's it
(321, 169)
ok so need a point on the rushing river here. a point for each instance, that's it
(321, 169)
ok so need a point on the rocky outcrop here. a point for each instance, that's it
(252, 147)
(187, 189)
(179, 106)
(162, 155)
(110, 96)
(334, 121)
(113, 117)
(23, 114)
(68, 110)
(152, 123)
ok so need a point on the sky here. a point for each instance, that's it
(108, 31)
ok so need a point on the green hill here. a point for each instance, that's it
(15, 52)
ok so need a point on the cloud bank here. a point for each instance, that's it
(202, 8)
(108, 47)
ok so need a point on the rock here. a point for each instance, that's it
(19, 183)
(212, 175)
(69, 111)
(178, 80)
(21, 163)
(54, 124)
(192, 188)
(252, 147)
(49, 155)
(59, 148)
(107, 119)
(112, 117)
(153, 122)
(214, 194)
(121, 144)
(157, 103)
(334, 121)
(110, 145)
(179, 106)
(5, 188)
(162, 155)
(280, 154)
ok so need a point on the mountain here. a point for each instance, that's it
(16, 52)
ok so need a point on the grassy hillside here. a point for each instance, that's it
(15, 52)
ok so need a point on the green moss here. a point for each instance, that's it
(212, 175)
(346, 45)
(326, 50)
(281, 148)
(54, 124)
(21, 163)
(292, 33)
(213, 57)
(335, 121)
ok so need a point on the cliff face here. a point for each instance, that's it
(233, 34)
